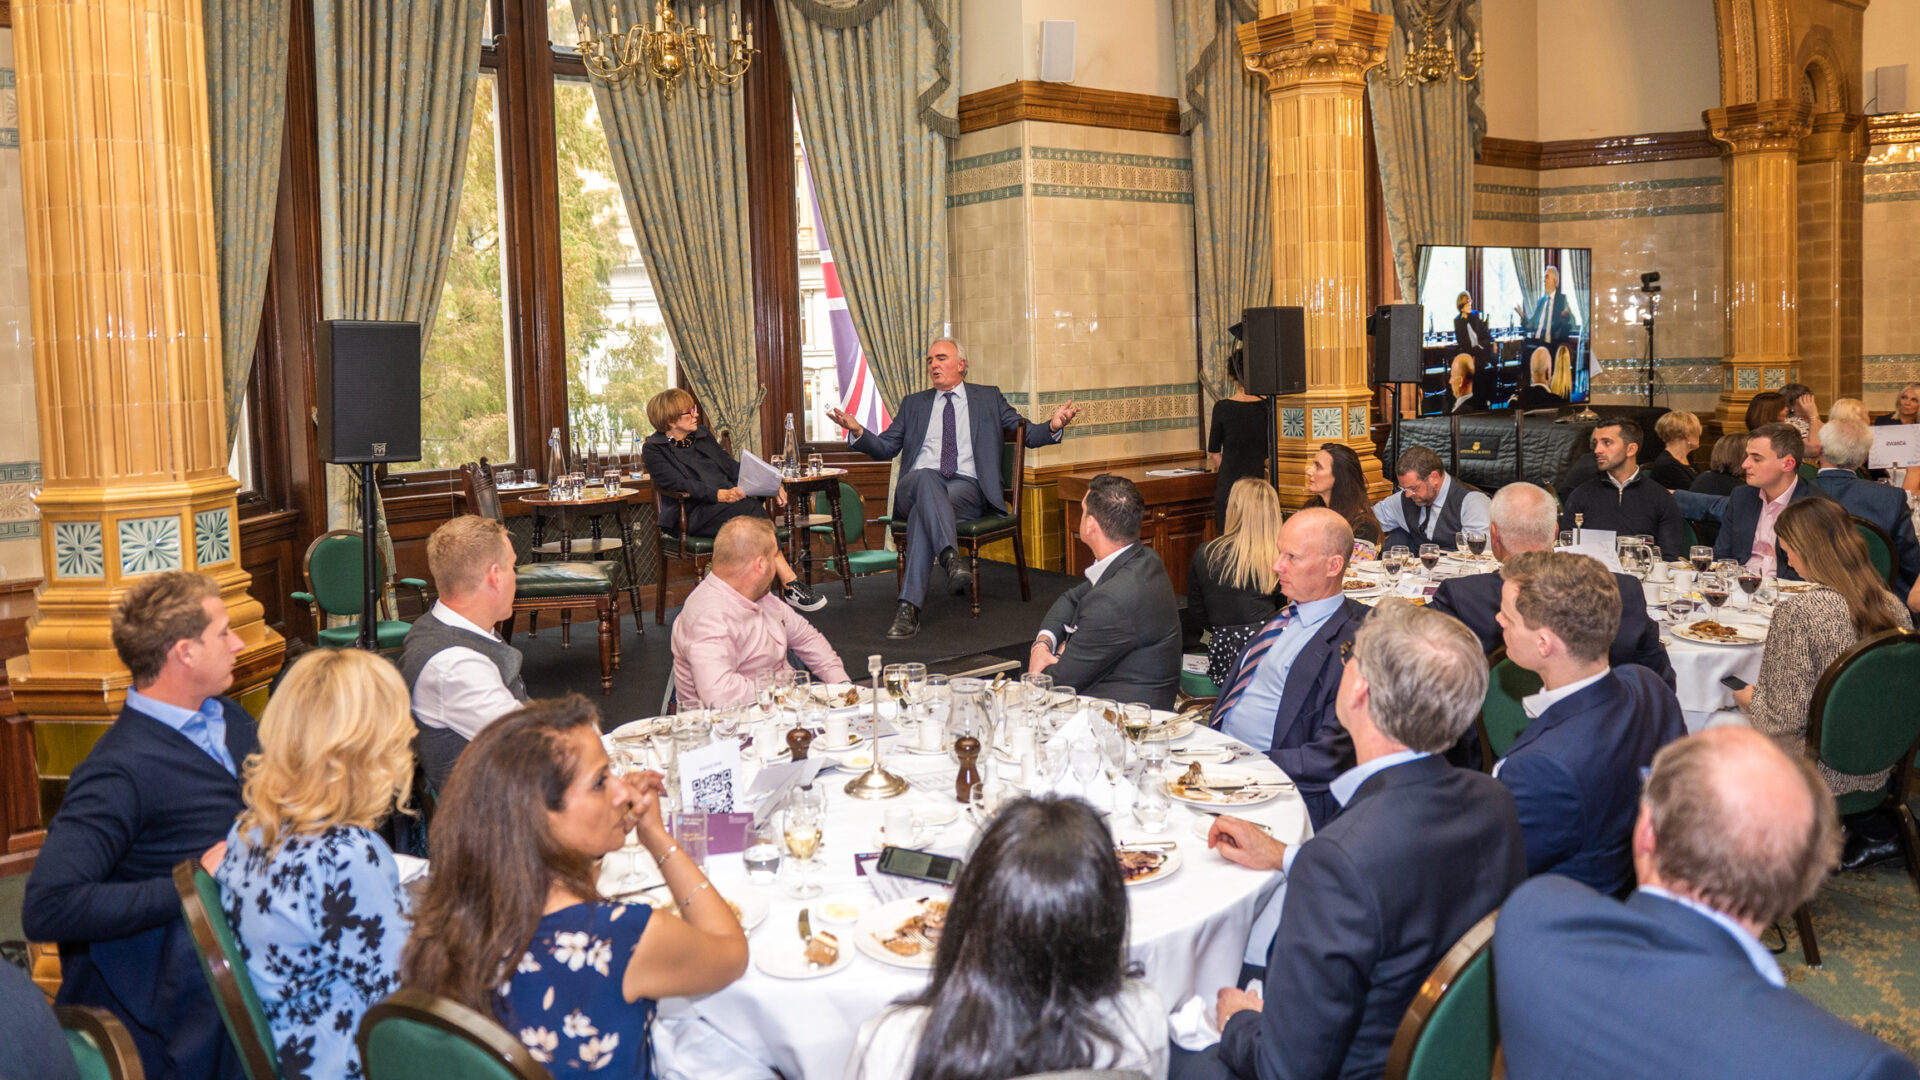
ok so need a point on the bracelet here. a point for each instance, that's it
(688, 899)
(672, 850)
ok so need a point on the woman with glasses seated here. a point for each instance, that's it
(1031, 975)
(684, 458)
(512, 924)
(312, 893)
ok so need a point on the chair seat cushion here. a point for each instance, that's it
(696, 545)
(865, 562)
(990, 524)
(387, 634)
(563, 579)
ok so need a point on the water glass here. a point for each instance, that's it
(1054, 754)
(692, 729)
(577, 484)
(1769, 591)
(557, 487)
(1566, 538)
(610, 479)
(1152, 802)
(1084, 760)
(1154, 749)
(762, 855)
(815, 464)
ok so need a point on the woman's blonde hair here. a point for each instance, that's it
(1244, 555)
(1848, 408)
(335, 748)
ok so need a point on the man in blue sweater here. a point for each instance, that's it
(162, 785)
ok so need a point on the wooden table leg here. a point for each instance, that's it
(606, 644)
(794, 539)
(840, 539)
(623, 514)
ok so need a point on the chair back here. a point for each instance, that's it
(1013, 466)
(853, 511)
(414, 1035)
(1502, 718)
(1690, 534)
(1879, 546)
(226, 972)
(102, 1047)
(1451, 1031)
(482, 494)
(1853, 724)
(336, 572)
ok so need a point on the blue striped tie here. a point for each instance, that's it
(1250, 662)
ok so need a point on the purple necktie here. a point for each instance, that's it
(949, 442)
(1255, 653)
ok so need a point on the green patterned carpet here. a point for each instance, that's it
(1867, 925)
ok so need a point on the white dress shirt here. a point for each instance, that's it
(460, 689)
(963, 435)
(1476, 511)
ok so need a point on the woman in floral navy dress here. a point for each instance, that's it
(312, 893)
(512, 925)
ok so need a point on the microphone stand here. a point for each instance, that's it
(1653, 300)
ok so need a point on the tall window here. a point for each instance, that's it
(1445, 279)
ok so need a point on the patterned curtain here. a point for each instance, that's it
(395, 85)
(682, 168)
(246, 43)
(874, 84)
(1529, 264)
(1427, 136)
(1223, 109)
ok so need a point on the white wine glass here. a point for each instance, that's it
(803, 829)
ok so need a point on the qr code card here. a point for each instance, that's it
(709, 777)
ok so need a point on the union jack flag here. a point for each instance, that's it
(859, 394)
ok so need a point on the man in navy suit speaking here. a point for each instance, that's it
(950, 435)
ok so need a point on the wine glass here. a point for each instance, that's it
(802, 827)
(913, 680)
(894, 678)
(1036, 688)
(1769, 591)
(1113, 754)
(1054, 755)
(1084, 759)
(798, 689)
(1403, 553)
(1135, 721)
(1429, 557)
(766, 693)
(1062, 706)
(1701, 556)
(1476, 540)
(1749, 583)
(1713, 588)
(1679, 604)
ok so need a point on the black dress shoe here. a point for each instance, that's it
(906, 621)
(959, 578)
(1869, 843)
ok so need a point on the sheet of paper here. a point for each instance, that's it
(1895, 446)
(792, 774)
(756, 476)
(710, 776)
(1598, 543)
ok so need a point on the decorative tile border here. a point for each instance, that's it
(1326, 422)
(1293, 423)
(212, 537)
(149, 545)
(1895, 182)
(1061, 173)
(19, 517)
(1674, 375)
(9, 112)
(1357, 424)
(1889, 371)
(78, 550)
(1747, 379)
(1593, 202)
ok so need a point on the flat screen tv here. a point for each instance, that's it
(1519, 316)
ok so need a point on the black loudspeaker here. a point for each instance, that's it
(1276, 350)
(366, 379)
(1396, 343)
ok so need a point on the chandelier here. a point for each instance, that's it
(668, 51)
(1433, 59)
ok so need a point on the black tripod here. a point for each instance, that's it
(1650, 285)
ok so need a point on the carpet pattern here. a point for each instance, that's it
(1868, 927)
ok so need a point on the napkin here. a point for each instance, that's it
(1192, 1023)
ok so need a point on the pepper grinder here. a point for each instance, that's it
(967, 749)
(798, 740)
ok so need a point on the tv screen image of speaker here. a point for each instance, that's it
(1520, 316)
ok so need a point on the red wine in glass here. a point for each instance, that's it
(1477, 545)
(1430, 560)
(1750, 583)
(1716, 595)
(1701, 562)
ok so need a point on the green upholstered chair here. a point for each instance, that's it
(973, 534)
(862, 560)
(1854, 726)
(1807, 471)
(1452, 1031)
(1692, 536)
(1502, 718)
(1195, 684)
(336, 572)
(102, 1047)
(414, 1035)
(675, 544)
(1879, 547)
(226, 972)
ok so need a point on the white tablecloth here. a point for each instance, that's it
(1188, 934)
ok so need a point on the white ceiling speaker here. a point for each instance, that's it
(1886, 89)
(1056, 50)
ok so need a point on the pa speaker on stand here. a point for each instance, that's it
(1395, 332)
(1275, 349)
(366, 379)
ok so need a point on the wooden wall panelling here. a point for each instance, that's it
(21, 820)
(1585, 153)
(1059, 103)
(270, 553)
(535, 301)
(771, 226)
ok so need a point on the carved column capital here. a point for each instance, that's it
(1835, 137)
(1760, 125)
(1316, 43)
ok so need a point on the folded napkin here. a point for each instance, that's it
(1192, 1024)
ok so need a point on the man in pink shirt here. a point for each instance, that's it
(1774, 452)
(733, 631)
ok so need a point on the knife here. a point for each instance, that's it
(806, 926)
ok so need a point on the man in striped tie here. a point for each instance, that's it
(1279, 695)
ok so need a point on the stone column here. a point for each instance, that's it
(1315, 58)
(125, 298)
(1832, 176)
(1762, 141)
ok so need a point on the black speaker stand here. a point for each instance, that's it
(370, 560)
(1388, 467)
(1273, 442)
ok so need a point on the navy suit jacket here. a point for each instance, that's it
(1474, 599)
(1309, 744)
(1374, 901)
(1575, 774)
(988, 415)
(1886, 507)
(1741, 517)
(1593, 989)
(145, 799)
(1125, 638)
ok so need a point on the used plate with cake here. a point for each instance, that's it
(1709, 632)
(1198, 786)
(903, 933)
(1144, 862)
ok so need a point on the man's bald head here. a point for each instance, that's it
(1314, 546)
(1525, 518)
(743, 555)
(1731, 820)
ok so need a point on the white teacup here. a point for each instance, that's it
(930, 734)
(836, 732)
(901, 828)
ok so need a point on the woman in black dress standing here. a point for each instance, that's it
(1238, 440)
(683, 457)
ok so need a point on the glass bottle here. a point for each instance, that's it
(556, 457)
(789, 452)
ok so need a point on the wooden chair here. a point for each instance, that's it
(335, 570)
(1855, 726)
(863, 560)
(226, 972)
(971, 535)
(552, 586)
(102, 1047)
(1452, 1030)
(414, 1035)
(1502, 718)
(1879, 548)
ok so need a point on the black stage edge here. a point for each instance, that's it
(949, 642)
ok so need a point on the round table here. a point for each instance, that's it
(1189, 930)
(800, 489)
(594, 504)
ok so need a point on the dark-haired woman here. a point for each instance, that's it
(1237, 439)
(1031, 973)
(1339, 484)
(512, 925)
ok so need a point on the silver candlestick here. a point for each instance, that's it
(876, 782)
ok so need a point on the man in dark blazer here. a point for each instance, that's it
(951, 470)
(1575, 770)
(1524, 519)
(1844, 445)
(1117, 634)
(1732, 835)
(1278, 697)
(160, 787)
(1421, 852)
(1774, 452)
(1538, 393)
(1549, 321)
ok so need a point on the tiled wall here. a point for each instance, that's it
(1665, 216)
(19, 427)
(1890, 257)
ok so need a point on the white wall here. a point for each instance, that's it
(1509, 90)
(1120, 44)
(1890, 32)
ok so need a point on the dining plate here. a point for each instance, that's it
(645, 727)
(1742, 635)
(893, 921)
(1205, 755)
(834, 695)
(1255, 791)
(1167, 862)
(786, 958)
